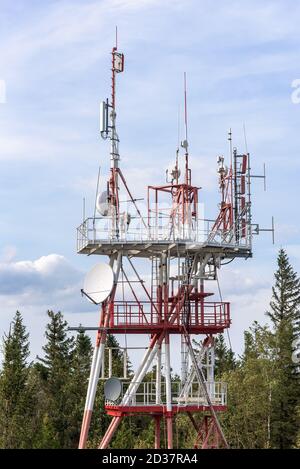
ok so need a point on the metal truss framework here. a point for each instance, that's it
(181, 258)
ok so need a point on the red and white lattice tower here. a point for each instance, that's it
(180, 251)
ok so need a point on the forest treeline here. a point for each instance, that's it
(41, 402)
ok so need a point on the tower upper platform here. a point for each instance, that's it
(97, 236)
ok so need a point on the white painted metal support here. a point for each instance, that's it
(158, 376)
(192, 372)
(145, 358)
(168, 393)
(138, 377)
(109, 362)
(103, 366)
(184, 359)
(168, 375)
(125, 361)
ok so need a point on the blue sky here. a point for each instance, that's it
(240, 59)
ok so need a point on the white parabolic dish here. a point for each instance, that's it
(102, 204)
(112, 389)
(98, 282)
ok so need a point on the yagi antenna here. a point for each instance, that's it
(256, 229)
(261, 176)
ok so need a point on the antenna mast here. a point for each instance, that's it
(108, 129)
(185, 142)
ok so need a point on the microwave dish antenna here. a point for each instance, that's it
(98, 283)
(112, 389)
(102, 204)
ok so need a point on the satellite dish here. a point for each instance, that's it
(98, 283)
(112, 389)
(102, 205)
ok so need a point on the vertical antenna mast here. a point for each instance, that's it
(185, 143)
(108, 130)
(185, 107)
(231, 174)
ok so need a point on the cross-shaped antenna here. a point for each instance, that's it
(259, 176)
(256, 229)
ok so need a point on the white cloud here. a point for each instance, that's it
(51, 274)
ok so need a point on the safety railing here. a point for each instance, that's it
(101, 230)
(146, 394)
(201, 313)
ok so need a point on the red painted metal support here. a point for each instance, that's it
(169, 421)
(110, 432)
(157, 419)
(208, 435)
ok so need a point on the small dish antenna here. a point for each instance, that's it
(98, 283)
(172, 173)
(102, 205)
(112, 389)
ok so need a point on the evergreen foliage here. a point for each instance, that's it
(41, 403)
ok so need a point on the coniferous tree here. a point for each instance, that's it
(284, 314)
(224, 357)
(14, 397)
(247, 420)
(55, 372)
(80, 368)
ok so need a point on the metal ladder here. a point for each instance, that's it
(154, 281)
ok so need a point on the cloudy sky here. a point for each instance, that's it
(241, 59)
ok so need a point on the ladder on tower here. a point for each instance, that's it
(154, 282)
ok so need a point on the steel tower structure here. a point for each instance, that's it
(181, 251)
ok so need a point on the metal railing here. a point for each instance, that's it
(145, 394)
(133, 313)
(101, 230)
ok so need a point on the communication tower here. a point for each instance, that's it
(180, 251)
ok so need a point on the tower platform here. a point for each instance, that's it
(146, 397)
(94, 236)
(140, 317)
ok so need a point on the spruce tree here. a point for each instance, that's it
(14, 398)
(224, 357)
(80, 369)
(284, 314)
(55, 372)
